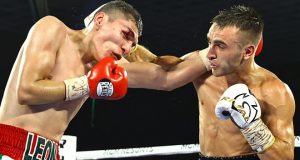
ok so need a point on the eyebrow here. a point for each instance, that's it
(216, 41)
(220, 42)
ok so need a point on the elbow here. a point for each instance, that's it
(290, 151)
(285, 149)
(165, 85)
(290, 155)
(282, 150)
(24, 96)
(161, 81)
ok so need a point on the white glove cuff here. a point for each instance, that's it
(76, 87)
(203, 54)
(258, 136)
(223, 108)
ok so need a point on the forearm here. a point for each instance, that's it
(278, 151)
(166, 77)
(142, 54)
(263, 141)
(152, 76)
(167, 62)
(145, 75)
(41, 92)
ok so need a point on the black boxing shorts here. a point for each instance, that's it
(244, 157)
(18, 144)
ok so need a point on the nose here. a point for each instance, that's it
(126, 48)
(211, 53)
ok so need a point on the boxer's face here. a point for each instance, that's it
(114, 37)
(225, 52)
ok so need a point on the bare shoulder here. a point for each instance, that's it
(275, 92)
(48, 22)
(48, 33)
(49, 19)
(278, 107)
(49, 26)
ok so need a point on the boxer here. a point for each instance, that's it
(56, 70)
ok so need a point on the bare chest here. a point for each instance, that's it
(215, 133)
(68, 63)
(209, 92)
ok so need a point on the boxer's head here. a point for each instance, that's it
(234, 38)
(116, 9)
(246, 19)
(116, 27)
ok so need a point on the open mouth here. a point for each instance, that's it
(212, 65)
(116, 56)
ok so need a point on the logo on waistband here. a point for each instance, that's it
(40, 148)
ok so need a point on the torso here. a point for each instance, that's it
(222, 137)
(49, 120)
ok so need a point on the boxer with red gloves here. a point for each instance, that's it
(106, 80)
(46, 87)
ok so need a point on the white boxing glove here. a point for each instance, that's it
(239, 104)
(242, 107)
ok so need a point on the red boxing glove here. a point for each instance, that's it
(259, 47)
(107, 80)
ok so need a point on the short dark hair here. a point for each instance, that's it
(245, 18)
(118, 6)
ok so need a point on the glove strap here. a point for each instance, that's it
(203, 54)
(76, 87)
(258, 136)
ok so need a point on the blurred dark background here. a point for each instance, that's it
(147, 117)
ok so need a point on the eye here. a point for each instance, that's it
(127, 35)
(124, 34)
(221, 46)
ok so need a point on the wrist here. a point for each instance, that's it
(140, 54)
(76, 87)
(258, 136)
(203, 54)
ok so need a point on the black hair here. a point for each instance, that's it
(128, 11)
(245, 18)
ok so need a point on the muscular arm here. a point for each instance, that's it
(39, 55)
(142, 54)
(279, 118)
(153, 76)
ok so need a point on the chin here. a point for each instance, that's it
(216, 73)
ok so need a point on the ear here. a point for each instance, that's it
(98, 19)
(249, 51)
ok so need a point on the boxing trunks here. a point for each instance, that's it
(244, 157)
(19, 144)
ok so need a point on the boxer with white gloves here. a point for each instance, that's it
(234, 39)
(241, 106)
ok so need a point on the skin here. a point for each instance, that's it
(35, 92)
(232, 61)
